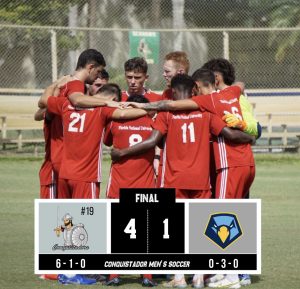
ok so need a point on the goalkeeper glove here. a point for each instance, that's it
(234, 122)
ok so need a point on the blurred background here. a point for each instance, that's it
(41, 41)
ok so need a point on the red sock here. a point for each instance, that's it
(112, 276)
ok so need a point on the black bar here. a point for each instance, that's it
(165, 197)
(175, 262)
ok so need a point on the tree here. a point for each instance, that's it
(21, 46)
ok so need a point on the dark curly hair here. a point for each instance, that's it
(222, 66)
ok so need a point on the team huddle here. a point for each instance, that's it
(196, 137)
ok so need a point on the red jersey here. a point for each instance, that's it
(136, 171)
(167, 94)
(83, 130)
(150, 95)
(56, 123)
(186, 150)
(46, 171)
(227, 154)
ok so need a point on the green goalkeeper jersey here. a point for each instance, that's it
(248, 117)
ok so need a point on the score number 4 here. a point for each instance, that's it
(130, 229)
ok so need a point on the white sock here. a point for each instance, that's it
(197, 276)
(178, 277)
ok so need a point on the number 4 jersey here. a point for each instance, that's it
(83, 132)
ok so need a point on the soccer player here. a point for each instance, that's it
(185, 165)
(239, 158)
(235, 163)
(136, 74)
(80, 172)
(225, 76)
(46, 174)
(89, 65)
(176, 62)
(183, 124)
(99, 82)
(48, 177)
(134, 172)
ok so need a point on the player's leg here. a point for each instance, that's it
(75, 279)
(235, 182)
(148, 281)
(85, 190)
(182, 194)
(199, 194)
(113, 280)
(63, 189)
(113, 186)
(48, 191)
(229, 281)
(177, 282)
(198, 281)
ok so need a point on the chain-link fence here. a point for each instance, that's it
(44, 54)
(40, 40)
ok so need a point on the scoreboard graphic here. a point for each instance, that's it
(147, 231)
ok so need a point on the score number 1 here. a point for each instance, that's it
(130, 229)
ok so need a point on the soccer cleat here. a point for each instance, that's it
(77, 279)
(225, 283)
(245, 279)
(97, 277)
(198, 282)
(49, 276)
(214, 278)
(175, 284)
(148, 283)
(113, 282)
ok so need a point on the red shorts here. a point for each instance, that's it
(235, 182)
(48, 191)
(193, 194)
(69, 189)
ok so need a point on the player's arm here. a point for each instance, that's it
(139, 148)
(128, 113)
(218, 127)
(237, 136)
(53, 90)
(49, 91)
(167, 105)
(81, 100)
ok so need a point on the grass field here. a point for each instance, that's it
(277, 183)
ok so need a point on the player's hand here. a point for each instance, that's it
(135, 104)
(234, 122)
(115, 154)
(111, 103)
